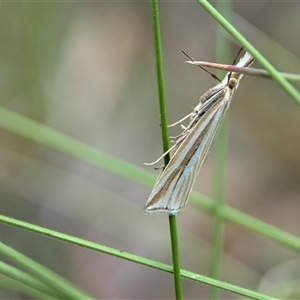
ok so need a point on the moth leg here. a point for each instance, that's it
(181, 120)
(155, 162)
(171, 150)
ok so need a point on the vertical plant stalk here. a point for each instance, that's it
(163, 120)
(222, 54)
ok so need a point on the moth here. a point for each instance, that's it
(174, 184)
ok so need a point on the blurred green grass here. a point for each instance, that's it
(87, 70)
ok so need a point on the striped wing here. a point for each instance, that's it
(175, 183)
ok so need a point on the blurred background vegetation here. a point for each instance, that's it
(87, 70)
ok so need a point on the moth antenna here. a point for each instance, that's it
(210, 73)
(237, 55)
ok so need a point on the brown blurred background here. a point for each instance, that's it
(87, 70)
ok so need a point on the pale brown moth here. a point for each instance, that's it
(174, 184)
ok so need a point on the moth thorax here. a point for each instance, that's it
(233, 82)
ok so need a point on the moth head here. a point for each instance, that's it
(233, 82)
(234, 78)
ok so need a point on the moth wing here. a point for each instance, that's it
(173, 186)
